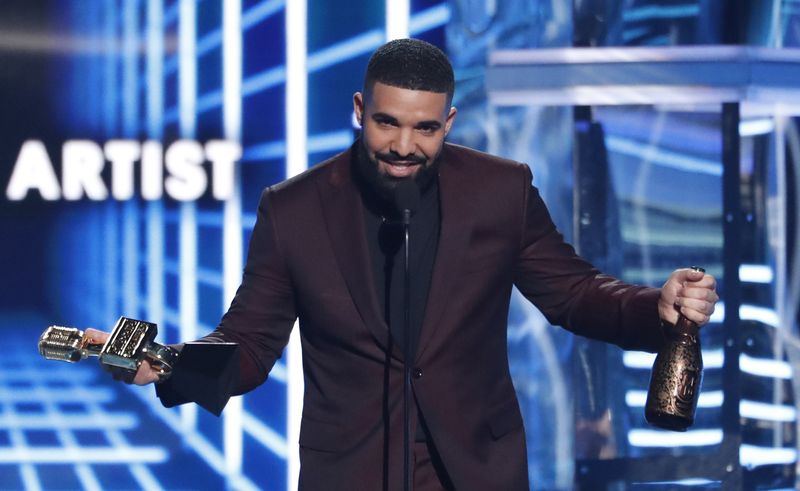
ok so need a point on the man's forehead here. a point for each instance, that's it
(385, 96)
(380, 88)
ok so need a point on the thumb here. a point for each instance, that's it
(687, 274)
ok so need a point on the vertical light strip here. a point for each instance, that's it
(109, 93)
(130, 119)
(187, 67)
(187, 102)
(776, 238)
(398, 13)
(130, 228)
(232, 210)
(113, 246)
(130, 115)
(155, 209)
(155, 68)
(296, 88)
(94, 268)
(112, 260)
(776, 26)
(232, 69)
(296, 162)
(93, 81)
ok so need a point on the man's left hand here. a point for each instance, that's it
(688, 292)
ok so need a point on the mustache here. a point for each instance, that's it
(393, 157)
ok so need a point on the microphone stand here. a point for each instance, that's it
(406, 355)
(407, 198)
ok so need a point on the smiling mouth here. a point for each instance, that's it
(400, 168)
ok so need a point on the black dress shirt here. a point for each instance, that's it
(385, 242)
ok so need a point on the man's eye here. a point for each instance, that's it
(427, 129)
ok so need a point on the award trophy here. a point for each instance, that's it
(207, 375)
(131, 342)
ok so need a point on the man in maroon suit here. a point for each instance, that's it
(326, 249)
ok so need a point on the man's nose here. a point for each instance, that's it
(404, 143)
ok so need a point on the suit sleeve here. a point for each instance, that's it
(262, 313)
(572, 293)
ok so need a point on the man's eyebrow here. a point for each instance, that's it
(384, 117)
(388, 118)
(432, 124)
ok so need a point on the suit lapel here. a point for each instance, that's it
(344, 219)
(453, 238)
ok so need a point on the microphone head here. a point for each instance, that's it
(61, 343)
(406, 195)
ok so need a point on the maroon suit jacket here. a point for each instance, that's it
(308, 258)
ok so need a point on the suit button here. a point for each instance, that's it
(417, 373)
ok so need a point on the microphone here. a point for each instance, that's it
(406, 201)
(66, 344)
(406, 198)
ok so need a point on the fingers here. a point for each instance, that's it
(698, 310)
(122, 375)
(696, 303)
(692, 293)
(146, 374)
(95, 336)
(707, 294)
(696, 316)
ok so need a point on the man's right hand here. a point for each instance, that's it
(144, 375)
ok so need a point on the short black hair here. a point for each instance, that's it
(411, 64)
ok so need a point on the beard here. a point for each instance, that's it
(376, 184)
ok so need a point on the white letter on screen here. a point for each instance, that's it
(223, 155)
(33, 170)
(187, 180)
(122, 154)
(83, 163)
(152, 171)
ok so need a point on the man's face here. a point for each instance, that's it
(403, 130)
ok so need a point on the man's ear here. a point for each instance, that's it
(448, 122)
(358, 107)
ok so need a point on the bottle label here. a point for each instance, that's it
(687, 387)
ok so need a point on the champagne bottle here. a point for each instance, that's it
(676, 377)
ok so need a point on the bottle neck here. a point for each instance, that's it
(684, 328)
